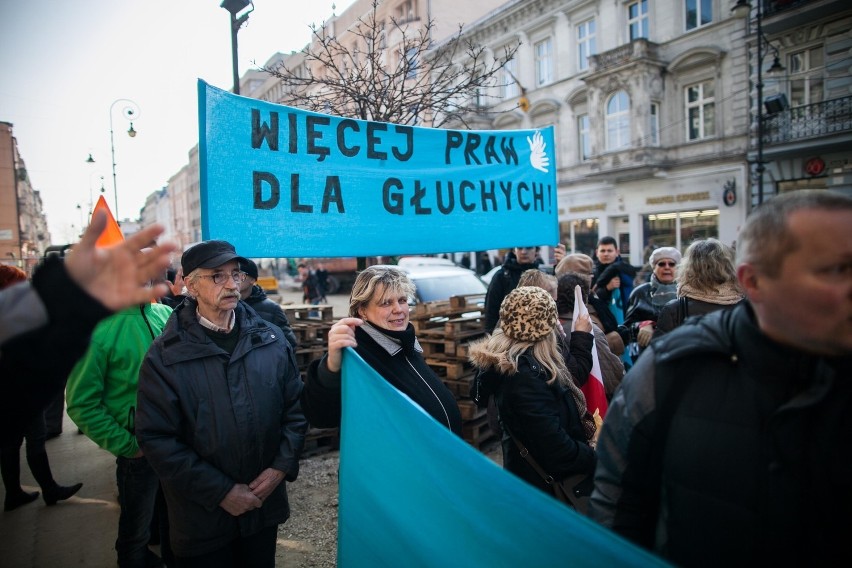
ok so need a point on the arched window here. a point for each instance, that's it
(618, 121)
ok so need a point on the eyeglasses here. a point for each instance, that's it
(221, 277)
(668, 264)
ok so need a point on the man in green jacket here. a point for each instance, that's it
(101, 398)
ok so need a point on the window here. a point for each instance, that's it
(806, 76)
(654, 125)
(680, 228)
(618, 121)
(406, 12)
(585, 43)
(410, 62)
(544, 62)
(700, 111)
(698, 13)
(637, 19)
(583, 127)
(509, 84)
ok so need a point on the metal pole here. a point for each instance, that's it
(235, 27)
(760, 167)
(112, 150)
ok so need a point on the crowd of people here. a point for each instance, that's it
(726, 378)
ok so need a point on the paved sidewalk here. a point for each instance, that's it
(77, 532)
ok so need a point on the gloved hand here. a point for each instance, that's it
(644, 335)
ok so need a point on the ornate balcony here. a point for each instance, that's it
(809, 121)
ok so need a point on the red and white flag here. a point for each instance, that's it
(594, 387)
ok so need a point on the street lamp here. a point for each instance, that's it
(235, 7)
(742, 9)
(130, 111)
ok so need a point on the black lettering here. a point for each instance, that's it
(522, 186)
(392, 201)
(488, 195)
(464, 185)
(373, 140)
(332, 194)
(347, 124)
(510, 156)
(538, 196)
(315, 135)
(294, 136)
(419, 194)
(506, 188)
(454, 140)
(473, 141)
(295, 206)
(262, 131)
(258, 178)
(490, 152)
(451, 198)
(408, 132)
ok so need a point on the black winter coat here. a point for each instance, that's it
(207, 421)
(409, 374)
(724, 448)
(271, 312)
(545, 419)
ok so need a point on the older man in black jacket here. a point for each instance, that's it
(727, 443)
(219, 418)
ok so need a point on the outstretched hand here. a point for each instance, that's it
(118, 276)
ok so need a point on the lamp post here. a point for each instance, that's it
(742, 9)
(130, 111)
(237, 21)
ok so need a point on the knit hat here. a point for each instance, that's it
(528, 313)
(664, 252)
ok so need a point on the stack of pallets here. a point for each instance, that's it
(444, 329)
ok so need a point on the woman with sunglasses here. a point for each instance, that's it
(647, 300)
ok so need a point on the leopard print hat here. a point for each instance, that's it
(528, 313)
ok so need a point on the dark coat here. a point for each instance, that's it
(605, 272)
(671, 316)
(504, 281)
(271, 312)
(724, 448)
(35, 365)
(207, 421)
(545, 419)
(321, 398)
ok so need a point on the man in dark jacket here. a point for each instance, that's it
(219, 418)
(612, 273)
(727, 443)
(254, 296)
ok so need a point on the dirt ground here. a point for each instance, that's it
(309, 538)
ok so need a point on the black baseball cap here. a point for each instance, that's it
(209, 254)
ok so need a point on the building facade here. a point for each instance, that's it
(23, 225)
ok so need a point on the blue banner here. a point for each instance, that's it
(414, 494)
(278, 181)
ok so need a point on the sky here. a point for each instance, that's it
(63, 63)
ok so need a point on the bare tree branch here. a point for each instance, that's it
(410, 82)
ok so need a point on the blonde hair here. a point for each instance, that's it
(707, 265)
(503, 353)
(386, 280)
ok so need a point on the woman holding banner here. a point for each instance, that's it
(543, 413)
(379, 330)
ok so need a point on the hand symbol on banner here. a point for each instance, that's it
(538, 158)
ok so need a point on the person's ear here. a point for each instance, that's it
(750, 280)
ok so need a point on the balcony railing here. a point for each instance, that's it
(808, 121)
(639, 48)
(771, 7)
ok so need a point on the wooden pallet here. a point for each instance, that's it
(450, 328)
(304, 356)
(477, 431)
(321, 440)
(470, 411)
(302, 312)
(454, 306)
(460, 387)
(311, 333)
(449, 368)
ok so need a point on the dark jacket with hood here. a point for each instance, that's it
(271, 312)
(724, 448)
(504, 281)
(207, 421)
(626, 272)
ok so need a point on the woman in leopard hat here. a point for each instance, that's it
(539, 405)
